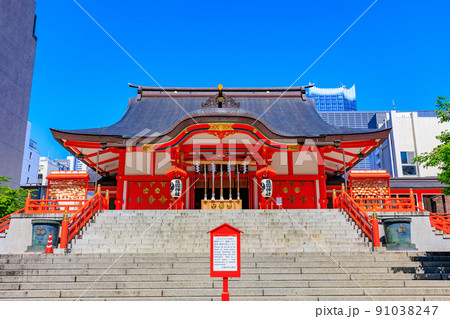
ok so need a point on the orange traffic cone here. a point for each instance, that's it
(49, 248)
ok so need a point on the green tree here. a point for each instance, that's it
(11, 200)
(440, 155)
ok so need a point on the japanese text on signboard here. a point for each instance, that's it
(225, 253)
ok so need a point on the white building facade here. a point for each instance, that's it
(30, 162)
(412, 134)
(46, 165)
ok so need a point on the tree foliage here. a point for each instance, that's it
(11, 200)
(440, 155)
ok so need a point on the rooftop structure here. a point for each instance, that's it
(333, 99)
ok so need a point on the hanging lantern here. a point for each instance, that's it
(266, 188)
(176, 187)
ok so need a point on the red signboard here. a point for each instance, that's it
(225, 251)
(225, 254)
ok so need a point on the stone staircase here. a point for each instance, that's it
(291, 276)
(265, 231)
(293, 255)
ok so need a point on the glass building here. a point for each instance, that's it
(336, 99)
(353, 119)
(358, 119)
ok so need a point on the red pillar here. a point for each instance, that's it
(250, 192)
(121, 172)
(225, 293)
(64, 234)
(322, 180)
(290, 163)
(335, 206)
(375, 232)
(152, 163)
(192, 191)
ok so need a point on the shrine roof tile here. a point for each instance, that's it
(157, 116)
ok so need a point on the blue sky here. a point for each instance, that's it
(398, 50)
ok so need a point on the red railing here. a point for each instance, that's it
(268, 204)
(51, 206)
(72, 226)
(439, 221)
(386, 204)
(357, 208)
(44, 206)
(6, 220)
(82, 210)
(367, 224)
(178, 204)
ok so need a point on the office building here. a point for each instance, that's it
(46, 165)
(30, 163)
(353, 119)
(17, 51)
(333, 99)
(412, 134)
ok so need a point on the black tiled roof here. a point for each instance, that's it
(416, 182)
(156, 116)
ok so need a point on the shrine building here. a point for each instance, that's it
(220, 143)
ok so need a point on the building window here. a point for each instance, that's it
(29, 167)
(28, 180)
(31, 154)
(408, 168)
(34, 28)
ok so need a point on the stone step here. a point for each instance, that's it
(202, 242)
(261, 231)
(204, 258)
(258, 247)
(11, 269)
(196, 250)
(180, 228)
(236, 292)
(258, 298)
(190, 256)
(317, 277)
(284, 219)
(219, 216)
(204, 238)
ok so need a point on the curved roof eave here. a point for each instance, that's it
(156, 117)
